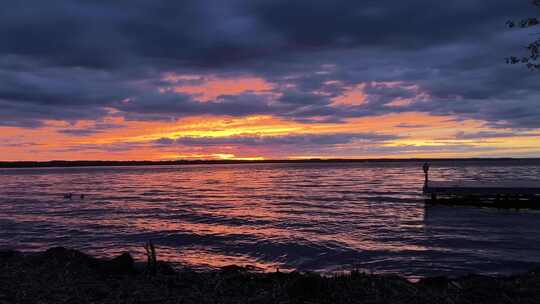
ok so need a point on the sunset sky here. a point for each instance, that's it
(265, 79)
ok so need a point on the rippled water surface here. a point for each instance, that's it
(317, 216)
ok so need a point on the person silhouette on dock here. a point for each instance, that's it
(425, 167)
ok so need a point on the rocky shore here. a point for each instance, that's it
(61, 275)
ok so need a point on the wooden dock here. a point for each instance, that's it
(504, 194)
(517, 195)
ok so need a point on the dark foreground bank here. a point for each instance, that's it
(61, 275)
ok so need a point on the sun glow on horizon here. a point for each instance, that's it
(261, 137)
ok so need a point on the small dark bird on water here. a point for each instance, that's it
(68, 195)
(82, 196)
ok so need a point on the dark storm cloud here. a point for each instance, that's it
(167, 106)
(96, 128)
(346, 23)
(209, 33)
(73, 60)
(489, 135)
(288, 140)
(113, 147)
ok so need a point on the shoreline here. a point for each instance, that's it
(60, 275)
(133, 163)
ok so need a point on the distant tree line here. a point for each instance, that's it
(63, 163)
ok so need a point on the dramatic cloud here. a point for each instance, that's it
(89, 130)
(488, 134)
(305, 61)
(296, 140)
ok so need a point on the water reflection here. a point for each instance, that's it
(321, 217)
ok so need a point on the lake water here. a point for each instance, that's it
(313, 216)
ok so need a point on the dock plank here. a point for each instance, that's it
(485, 188)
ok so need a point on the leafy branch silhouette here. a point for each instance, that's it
(530, 60)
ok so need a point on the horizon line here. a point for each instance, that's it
(95, 163)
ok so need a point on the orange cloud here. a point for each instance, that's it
(358, 94)
(354, 96)
(209, 88)
(419, 135)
